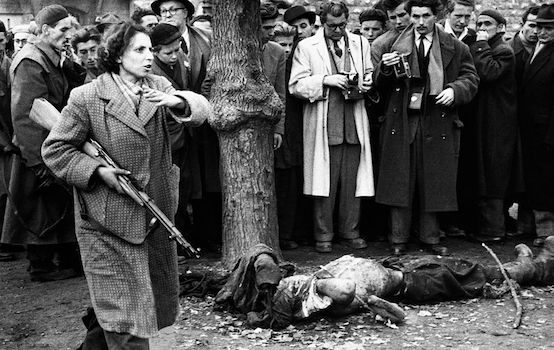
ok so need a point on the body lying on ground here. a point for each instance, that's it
(349, 284)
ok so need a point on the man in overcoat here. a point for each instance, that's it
(536, 112)
(496, 129)
(39, 212)
(326, 68)
(196, 48)
(421, 131)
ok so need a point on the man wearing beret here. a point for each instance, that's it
(536, 112)
(39, 213)
(301, 19)
(195, 45)
(421, 128)
(495, 132)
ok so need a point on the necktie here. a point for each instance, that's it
(336, 47)
(184, 46)
(421, 48)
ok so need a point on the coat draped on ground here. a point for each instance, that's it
(496, 134)
(536, 113)
(311, 63)
(131, 268)
(441, 128)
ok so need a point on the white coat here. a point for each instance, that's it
(310, 64)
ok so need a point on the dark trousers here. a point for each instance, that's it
(99, 339)
(42, 257)
(402, 217)
(288, 189)
(491, 214)
(344, 160)
(207, 216)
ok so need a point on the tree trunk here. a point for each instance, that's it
(246, 110)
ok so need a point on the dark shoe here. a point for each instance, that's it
(288, 244)
(398, 249)
(323, 247)
(519, 234)
(7, 257)
(538, 242)
(57, 275)
(356, 243)
(453, 231)
(436, 249)
(487, 239)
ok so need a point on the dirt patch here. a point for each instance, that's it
(47, 315)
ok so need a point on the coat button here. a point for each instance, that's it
(393, 131)
(394, 110)
(443, 115)
(397, 89)
(443, 136)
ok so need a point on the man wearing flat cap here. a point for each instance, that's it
(196, 48)
(301, 19)
(495, 128)
(39, 213)
(536, 113)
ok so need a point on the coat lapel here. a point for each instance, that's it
(117, 105)
(321, 47)
(543, 57)
(447, 47)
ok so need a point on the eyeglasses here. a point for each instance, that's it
(335, 26)
(171, 12)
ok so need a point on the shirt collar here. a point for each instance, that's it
(428, 36)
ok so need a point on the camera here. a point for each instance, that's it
(353, 91)
(402, 68)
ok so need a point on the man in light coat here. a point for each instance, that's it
(327, 70)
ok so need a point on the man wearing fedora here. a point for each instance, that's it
(301, 19)
(536, 113)
(196, 48)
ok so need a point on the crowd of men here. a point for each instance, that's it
(424, 123)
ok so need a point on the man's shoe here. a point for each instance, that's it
(399, 249)
(453, 231)
(356, 243)
(56, 275)
(486, 239)
(323, 247)
(538, 242)
(288, 244)
(436, 249)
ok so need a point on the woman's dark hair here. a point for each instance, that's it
(116, 40)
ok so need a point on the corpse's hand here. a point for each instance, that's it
(446, 97)
(110, 177)
(162, 99)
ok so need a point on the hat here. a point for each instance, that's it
(21, 28)
(494, 14)
(296, 12)
(107, 19)
(188, 5)
(50, 15)
(545, 14)
(164, 34)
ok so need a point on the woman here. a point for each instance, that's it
(131, 268)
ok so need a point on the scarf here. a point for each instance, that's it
(132, 92)
(404, 44)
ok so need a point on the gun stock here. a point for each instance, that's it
(46, 115)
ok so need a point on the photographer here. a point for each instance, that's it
(332, 71)
(421, 130)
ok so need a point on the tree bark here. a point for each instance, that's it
(246, 110)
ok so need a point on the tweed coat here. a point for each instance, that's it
(536, 111)
(35, 214)
(131, 268)
(440, 126)
(311, 63)
(496, 128)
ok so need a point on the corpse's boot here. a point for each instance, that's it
(545, 263)
(547, 252)
(522, 270)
